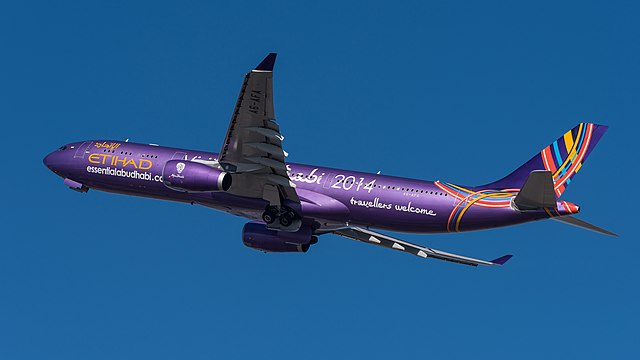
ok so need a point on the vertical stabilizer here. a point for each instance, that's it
(563, 158)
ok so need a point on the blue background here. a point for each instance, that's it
(455, 91)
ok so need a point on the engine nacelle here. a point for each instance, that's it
(256, 235)
(191, 176)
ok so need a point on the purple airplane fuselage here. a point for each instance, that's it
(290, 204)
(330, 198)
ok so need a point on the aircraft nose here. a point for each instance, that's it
(48, 161)
(54, 161)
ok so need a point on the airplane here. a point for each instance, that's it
(289, 205)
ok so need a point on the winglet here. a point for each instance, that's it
(267, 63)
(502, 260)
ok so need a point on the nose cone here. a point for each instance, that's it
(48, 161)
(55, 161)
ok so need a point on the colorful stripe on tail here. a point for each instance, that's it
(564, 158)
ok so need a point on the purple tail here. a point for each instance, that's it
(564, 158)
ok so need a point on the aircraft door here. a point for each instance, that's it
(179, 155)
(327, 181)
(82, 150)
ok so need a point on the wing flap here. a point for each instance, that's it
(272, 163)
(273, 150)
(269, 133)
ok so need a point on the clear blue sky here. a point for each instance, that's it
(439, 91)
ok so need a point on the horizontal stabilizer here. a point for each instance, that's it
(583, 224)
(537, 192)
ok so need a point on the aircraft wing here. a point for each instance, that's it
(372, 237)
(252, 149)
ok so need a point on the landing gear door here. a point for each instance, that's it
(82, 150)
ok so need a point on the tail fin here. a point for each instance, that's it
(564, 158)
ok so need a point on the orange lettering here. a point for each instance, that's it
(147, 164)
(123, 161)
(92, 158)
(130, 161)
(104, 158)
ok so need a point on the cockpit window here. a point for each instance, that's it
(63, 147)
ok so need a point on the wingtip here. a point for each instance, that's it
(501, 260)
(267, 63)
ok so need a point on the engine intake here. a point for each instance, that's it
(256, 236)
(191, 176)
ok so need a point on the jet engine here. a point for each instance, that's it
(191, 176)
(256, 236)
